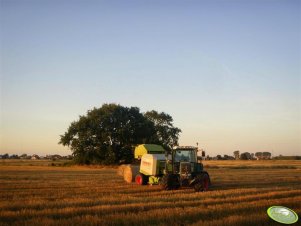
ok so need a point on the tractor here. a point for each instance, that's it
(172, 170)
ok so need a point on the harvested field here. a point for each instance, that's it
(242, 191)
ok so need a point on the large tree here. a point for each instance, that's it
(259, 155)
(245, 156)
(167, 134)
(107, 134)
(236, 154)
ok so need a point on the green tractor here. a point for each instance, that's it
(172, 170)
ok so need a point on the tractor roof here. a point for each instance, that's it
(184, 148)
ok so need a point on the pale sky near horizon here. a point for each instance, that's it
(228, 72)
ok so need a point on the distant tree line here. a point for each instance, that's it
(218, 157)
(35, 156)
(251, 156)
(281, 157)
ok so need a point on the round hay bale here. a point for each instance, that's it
(120, 169)
(130, 172)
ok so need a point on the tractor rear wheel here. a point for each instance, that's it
(202, 183)
(141, 179)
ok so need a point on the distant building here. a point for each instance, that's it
(53, 157)
(35, 156)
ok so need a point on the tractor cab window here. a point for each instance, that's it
(184, 156)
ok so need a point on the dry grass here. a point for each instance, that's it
(246, 164)
(241, 193)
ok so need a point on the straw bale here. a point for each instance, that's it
(130, 172)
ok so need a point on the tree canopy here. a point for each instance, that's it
(236, 154)
(166, 133)
(108, 134)
(263, 155)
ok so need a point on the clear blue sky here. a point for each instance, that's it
(228, 72)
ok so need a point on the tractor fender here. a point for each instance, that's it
(205, 172)
(196, 179)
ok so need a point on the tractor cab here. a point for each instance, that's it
(184, 170)
(185, 161)
(185, 155)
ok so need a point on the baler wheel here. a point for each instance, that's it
(140, 179)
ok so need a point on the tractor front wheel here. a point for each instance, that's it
(169, 182)
(165, 183)
(202, 183)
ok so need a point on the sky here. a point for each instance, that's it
(228, 72)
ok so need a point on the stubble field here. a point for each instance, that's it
(34, 193)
